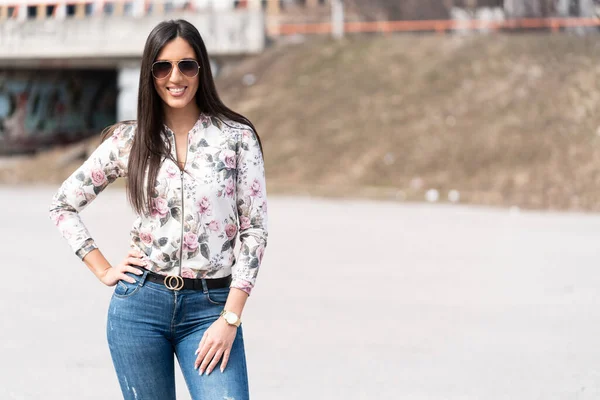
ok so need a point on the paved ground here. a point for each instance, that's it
(356, 300)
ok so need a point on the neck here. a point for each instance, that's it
(181, 120)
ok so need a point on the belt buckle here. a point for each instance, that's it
(177, 285)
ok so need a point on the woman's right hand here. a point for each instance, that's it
(112, 275)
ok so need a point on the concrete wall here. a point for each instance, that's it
(38, 108)
(225, 33)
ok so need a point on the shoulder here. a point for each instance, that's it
(125, 129)
(231, 124)
(121, 132)
(238, 130)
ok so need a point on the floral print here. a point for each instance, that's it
(197, 213)
(160, 207)
(204, 206)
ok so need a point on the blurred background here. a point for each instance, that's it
(479, 101)
(433, 171)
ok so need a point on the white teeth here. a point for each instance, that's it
(176, 91)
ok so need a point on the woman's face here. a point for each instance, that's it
(176, 89)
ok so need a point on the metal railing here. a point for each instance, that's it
(439, 26)
(39, 9)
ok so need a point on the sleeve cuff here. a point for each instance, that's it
(88, 246)
(242, 285)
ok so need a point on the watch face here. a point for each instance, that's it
(230, 318)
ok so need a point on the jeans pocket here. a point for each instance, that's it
(217, 296)
(124, 289)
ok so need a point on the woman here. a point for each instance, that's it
(195, 176)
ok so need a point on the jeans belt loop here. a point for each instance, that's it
(143, 277)
(204, 286)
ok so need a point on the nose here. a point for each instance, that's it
(176, 75)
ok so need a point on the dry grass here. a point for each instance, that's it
(506, 120)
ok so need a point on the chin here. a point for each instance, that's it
(179, 103)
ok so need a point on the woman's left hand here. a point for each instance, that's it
(215, 343)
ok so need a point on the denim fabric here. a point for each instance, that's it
(148, 324)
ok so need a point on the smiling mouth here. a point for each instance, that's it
(177, 91)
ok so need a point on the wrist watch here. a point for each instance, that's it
(231, 318)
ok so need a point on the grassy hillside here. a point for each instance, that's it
(506, 120)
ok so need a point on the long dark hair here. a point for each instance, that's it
(148, 147)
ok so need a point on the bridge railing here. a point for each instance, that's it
(106, 39)
(439, 26)
(58, 9)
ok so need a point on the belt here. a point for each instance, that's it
(176, 282)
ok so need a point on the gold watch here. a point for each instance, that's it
(231, 318)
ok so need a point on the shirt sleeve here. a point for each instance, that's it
(252, 211)
(107, 163)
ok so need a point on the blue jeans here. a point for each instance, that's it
(148, 323)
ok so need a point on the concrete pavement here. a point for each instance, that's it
(355, 300)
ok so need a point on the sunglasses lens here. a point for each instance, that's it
(188, 68)
(161, 69)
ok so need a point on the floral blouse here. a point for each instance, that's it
(196, 213)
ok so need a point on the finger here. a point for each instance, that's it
(124, 267)
(206, 360)
(135, 261)
(134, 253)
(198, 350)
(226, 354)
(201, 355)
(133, 270)
(214, 361)
(126, 278)
(201, 344)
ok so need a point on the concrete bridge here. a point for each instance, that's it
(67, 70)
(103, 40)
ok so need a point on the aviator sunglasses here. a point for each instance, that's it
(162, 69)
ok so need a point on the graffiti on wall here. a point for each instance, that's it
(43, 108)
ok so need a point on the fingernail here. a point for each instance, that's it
(222, 370)
(196, 352)
(207, 372)
(200, 373)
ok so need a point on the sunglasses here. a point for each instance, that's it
(162, 69)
